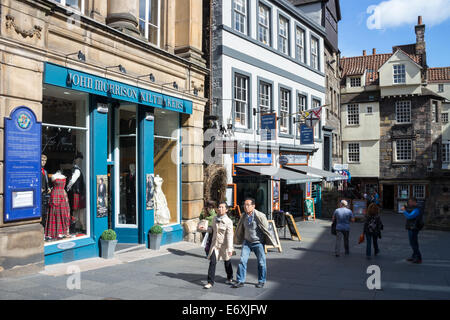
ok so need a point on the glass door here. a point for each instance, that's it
(125, 173)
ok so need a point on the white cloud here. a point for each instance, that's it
(395, 13)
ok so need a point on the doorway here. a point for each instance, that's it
(388, 196)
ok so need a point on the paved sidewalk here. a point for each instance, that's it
(305, 270)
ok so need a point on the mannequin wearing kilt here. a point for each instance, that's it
(58, 221)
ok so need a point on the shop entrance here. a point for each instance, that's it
(388, 196)
(124, 197)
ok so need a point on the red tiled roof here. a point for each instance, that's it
(357, 65)
(439, 74)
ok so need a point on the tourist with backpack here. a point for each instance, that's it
(372, 229)
(414, 223)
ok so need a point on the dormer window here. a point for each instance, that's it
(355, 82)
(399, 74)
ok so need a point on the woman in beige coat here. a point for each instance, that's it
(221, 245)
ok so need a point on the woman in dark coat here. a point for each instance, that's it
(372, 229)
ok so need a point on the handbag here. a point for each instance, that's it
(361, 238)
(202, 226)
(333, 228)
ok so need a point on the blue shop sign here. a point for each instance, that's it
(80, 81)
(306, 134)
(22, 165)
(252, 158)
(268, 127)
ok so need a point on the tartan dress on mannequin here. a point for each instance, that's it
(58, 222)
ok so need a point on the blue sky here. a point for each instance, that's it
(391, 22)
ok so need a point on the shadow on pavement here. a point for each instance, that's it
(186, 253)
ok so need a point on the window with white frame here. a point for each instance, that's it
(419, 191)
(75, 4)
(264, 24)
(241, 97)
(444, 117)
(403, 111)
(318, 127)
(369, 109)
(353, 153)
(355, 82)
(240, 15)
(285, 106)
(265, 99)
(446, 152)
(434, 111)
(403, 150)
(283, 35)
(150, 20)
(441, 87)
(353, 114)
(300, 44)
(399, 73)
(403, 191)
(314, 53)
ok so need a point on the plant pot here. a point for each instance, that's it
(107, 248)
(155, 240)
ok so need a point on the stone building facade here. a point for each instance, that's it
(148, 46)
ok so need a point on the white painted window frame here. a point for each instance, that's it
(353, 152)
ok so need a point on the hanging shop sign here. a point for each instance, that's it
(306, 134)
(80, 81)
(22, 165)
(252, 158)
(268, 127)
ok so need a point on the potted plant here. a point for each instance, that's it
(155, 236)
(108, 243)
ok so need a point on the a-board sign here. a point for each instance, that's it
(292, 227)
(309, 210)
(359, 207)
(274, 234)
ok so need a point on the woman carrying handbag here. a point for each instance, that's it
(372, 229)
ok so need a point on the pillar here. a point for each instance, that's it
(123, 16)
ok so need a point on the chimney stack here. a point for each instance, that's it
(374, 51)
(420, 36)
(364, 53)
(419, 21)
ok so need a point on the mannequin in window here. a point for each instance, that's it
(58, 222)
(45, 190)
(130, 183)
(162, 212)
(77, 195)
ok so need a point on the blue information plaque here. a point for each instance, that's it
(306, 134)
(22, 165)
(268, 127)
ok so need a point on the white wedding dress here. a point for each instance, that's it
(162, 212)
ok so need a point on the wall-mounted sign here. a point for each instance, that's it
(340, 167)
(291, 159)
(252, 158)
(22, 165)
(306, 134)
(268, 127)
(149, 191)
(102, 196)
(76, 80)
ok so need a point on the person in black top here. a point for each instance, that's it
(372, 229)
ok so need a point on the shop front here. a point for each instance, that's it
(114, 149)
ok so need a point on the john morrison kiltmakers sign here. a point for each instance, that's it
(77, 80)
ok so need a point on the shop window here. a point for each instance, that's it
(65, 145)
(166, 162)
(403, 191)
(150, 20)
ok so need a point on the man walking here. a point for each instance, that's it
(414, 223)
(252, 232)
(342, 216)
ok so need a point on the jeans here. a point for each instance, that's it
(258, 249)
(369, 239)
(339, 235)
(212, 269)
(414, 242)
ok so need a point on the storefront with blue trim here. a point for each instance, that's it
(119, 146)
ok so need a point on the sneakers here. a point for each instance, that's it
(237, 285)
(208, 286)
(260, 285)
(229, 281)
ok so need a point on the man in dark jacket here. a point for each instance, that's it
(253, 233)
(414, 223)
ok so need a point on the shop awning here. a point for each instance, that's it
(328, 176)
(290, 176)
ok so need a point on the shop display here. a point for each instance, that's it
(76, 189)
(58, 222)
(130, 183)
(162, 212)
